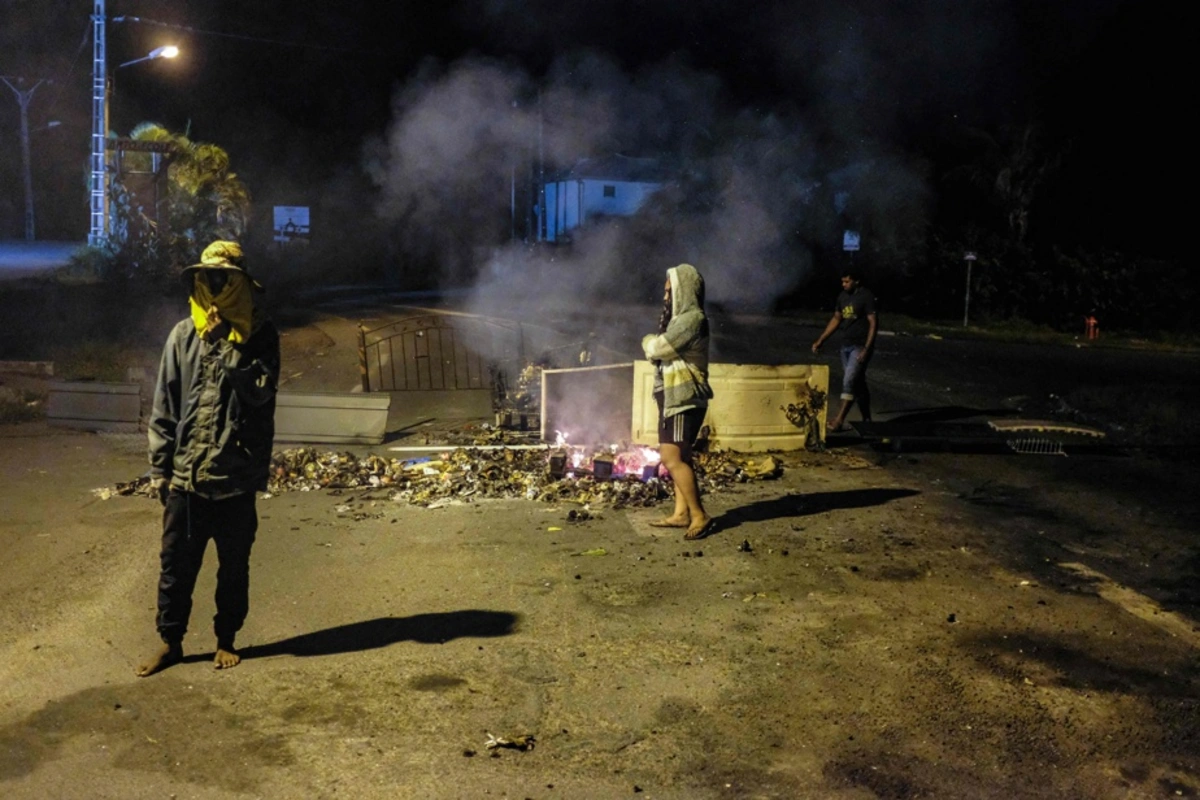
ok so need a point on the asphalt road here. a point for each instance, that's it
(916, 377)
(921, 624)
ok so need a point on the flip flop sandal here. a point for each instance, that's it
(661, 523)
(700, 533)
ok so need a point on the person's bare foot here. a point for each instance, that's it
(672, 521)
(226, 657)
(699, 529)
(166, 656)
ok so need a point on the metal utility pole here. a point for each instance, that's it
(969, 257)
(98, 231)
(23, 98)
(541, 173)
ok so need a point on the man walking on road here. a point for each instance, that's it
(211, 433)
(854, 316)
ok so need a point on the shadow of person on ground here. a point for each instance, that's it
(800, 505)
(436, 628)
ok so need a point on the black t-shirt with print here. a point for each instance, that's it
(855, 306)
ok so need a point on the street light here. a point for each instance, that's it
(101, 95)
(166, 51)
(24, 96)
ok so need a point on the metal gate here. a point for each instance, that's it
(436, 352)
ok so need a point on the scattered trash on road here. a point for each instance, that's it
(523, 742)
(466, 472)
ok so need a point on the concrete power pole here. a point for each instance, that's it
(98, 232)
(23, 98)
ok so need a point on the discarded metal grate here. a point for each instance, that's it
(1036, 446)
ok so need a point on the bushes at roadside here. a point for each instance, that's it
(1056, 287)
(17, 405)
(90, 329)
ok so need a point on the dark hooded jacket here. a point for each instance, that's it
(213, 422)
(681, 352)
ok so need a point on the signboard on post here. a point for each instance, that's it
(850, 241)
(291, 224)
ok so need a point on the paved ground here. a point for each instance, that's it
(912, 624)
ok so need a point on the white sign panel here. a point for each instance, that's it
(850, 240)
(291, 223)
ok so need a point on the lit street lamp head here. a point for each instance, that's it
(166, 51)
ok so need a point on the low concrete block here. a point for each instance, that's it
(331, 418)
(95, 406)
(746, 413)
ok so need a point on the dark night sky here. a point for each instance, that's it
(414, 100)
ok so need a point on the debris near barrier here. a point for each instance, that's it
(137, 486)
(805, 414)
(518, 405)
(486, 434)
(457, 474)
(465, 473)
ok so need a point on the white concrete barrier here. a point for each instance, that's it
(747, 413)
(95, 406)
(331, 418)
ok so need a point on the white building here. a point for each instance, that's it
(614, 186)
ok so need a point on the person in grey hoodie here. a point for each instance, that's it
(679, 352)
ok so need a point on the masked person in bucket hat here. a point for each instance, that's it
(210, 434)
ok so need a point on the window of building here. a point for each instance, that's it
(610, 191)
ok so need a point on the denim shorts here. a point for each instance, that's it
(854, 372)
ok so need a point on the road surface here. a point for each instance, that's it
(904, 625)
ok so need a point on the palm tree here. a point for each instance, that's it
(206, 198)
(1010, 168)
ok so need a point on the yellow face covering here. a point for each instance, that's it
(235, 302)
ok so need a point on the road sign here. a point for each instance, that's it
(291, 223)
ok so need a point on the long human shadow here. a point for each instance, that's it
(436, 628)
(800, 505)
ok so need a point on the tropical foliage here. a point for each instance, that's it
(204, 200)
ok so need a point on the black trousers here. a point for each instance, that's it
(189, 521)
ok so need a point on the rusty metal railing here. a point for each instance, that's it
(437, 352)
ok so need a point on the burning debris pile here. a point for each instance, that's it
(611, 478)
